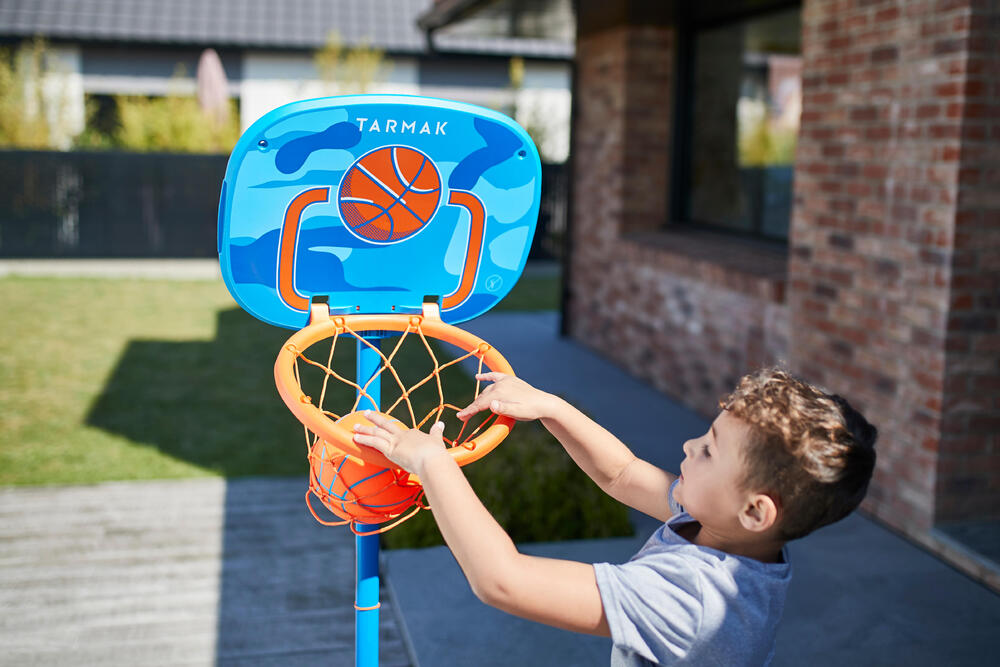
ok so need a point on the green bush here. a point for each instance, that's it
(534, 490)
(29, 118)
(765, 144)
(348, 71)
(175, 123)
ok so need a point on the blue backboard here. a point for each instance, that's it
(375, 202)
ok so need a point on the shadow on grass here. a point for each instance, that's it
(214, 404)
(210, 403)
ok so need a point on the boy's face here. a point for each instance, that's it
(711, 473)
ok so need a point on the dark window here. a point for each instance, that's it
(739, 122)
(455, 72)
(102, 114)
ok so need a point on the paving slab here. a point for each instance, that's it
(187, 572)
(860, 594)
(446, 625)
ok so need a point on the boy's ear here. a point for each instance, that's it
(760, 513)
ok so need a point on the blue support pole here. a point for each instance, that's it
(366, 591)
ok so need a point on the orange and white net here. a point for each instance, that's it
(410, 384)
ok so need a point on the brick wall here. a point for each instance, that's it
(893, 278)
(890, 293)
(679, 311)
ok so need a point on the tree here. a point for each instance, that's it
(33, 107)
(175, 123)
(345, 71)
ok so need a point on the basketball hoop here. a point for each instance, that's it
(356, 483)
(371, 203)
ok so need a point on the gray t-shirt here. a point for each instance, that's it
(677, 603)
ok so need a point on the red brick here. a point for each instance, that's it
(874, 171)
(864, 113)
(887, 14)
(838, 78)
(949, 89)
(925, 111)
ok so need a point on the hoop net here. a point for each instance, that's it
(358, 484)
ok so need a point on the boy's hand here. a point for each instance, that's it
(410, 449)
(508, 396)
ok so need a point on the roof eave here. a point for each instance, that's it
(446, 12)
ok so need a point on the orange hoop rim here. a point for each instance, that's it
(323, 325)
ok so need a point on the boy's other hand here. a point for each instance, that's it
(508, 396)
(410, 449)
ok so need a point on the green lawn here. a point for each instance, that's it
(138, 379)
(532, 293)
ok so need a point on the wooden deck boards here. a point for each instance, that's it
(189, 572)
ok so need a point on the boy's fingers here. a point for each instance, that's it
(480, 404)
(372, 441)
(376, 431)
(492, 376)
(381, 421)
(477, 405)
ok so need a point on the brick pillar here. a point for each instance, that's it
(968, 473)
(648, 110)
(681, 313)
(621, 153)
(893, 276)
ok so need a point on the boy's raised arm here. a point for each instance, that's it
(555, 592)
(605, 458)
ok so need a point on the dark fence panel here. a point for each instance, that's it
(114, 204)
(551, 229)
(109, 204)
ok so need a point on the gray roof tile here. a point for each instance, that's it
(385, 24)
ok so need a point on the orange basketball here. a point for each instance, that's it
(389, 194)
(358, 491)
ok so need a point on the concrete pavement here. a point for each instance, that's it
(177, 572)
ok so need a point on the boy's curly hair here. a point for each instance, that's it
(810, 450)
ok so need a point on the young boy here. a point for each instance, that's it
(782, 459)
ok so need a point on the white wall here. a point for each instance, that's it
(270, 80)
(62, 94)
(543, 106)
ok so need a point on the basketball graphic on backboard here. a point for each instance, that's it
(389, 194)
